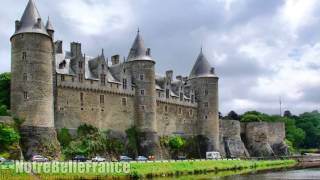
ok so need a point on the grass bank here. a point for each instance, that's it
(155, 169)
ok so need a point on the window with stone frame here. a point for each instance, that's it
(124, 83)
(72, 79)
(142, 107)
(181, 96)
(190, 112)
(166, 108)
(25, 76)
(80, 64)
(103, 79)
(101, 99)
(81, 98)
(24, 56)
(206, 92)
(206, 104)
(62, 77)
(25, 95)
(180, 110)
(141, 77)
(80, 77)
(192, 98)
(167, 93)
(142, 92)
(124, 101)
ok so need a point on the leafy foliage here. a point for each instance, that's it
(64, 137)
(133, 135)
(8, 135)
(5, 89)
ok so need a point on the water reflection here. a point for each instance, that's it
(304, 174)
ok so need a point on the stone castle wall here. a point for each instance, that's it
(172, 116)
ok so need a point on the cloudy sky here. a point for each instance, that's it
(262, 50)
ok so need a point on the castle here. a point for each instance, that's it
(53, 89)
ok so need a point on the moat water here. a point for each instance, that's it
(302, 174)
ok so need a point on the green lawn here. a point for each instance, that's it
(153, 169)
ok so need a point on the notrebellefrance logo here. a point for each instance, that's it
(71, 167)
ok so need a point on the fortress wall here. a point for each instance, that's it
(277, 133)
(112, 114)
(174, 121)
(230, 139)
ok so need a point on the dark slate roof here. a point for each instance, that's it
(29, 19)
(202, 68)
(138, 51)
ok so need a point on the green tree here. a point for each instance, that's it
(64, 137)
(310, 123)
(176, 143)
(5, 89)
(133, 135)
(8, 136)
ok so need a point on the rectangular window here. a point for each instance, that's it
(25, 77)
(62, 77)
(167, 93)
(206, 104)
(142, 92)
(101, 99)
(80, 65)
(192, 98)
(81, 98)
(102, 66)
(103, 79)
(72, 79)
(191, 112)
(159, 94)
(25, 95)
(124, 83)
(80, 77)
(24, 56)
(142, 108)
(180, 110)
(206, 92)
(181, 96)
(165, 108)
(141, 77)
(124, 101)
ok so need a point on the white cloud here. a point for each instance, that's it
(95, 17)
(298, 13)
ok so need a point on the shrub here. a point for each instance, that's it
(64, 137)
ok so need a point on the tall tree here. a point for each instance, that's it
(5, 89)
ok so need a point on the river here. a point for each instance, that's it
(302, 174)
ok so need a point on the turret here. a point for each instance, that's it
(49, 28)
(205, 83)
(32, 82)
(142, 70)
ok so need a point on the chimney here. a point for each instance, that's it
(148, 52)
(75, 49)
(58, 47)
(179, 77)
(169, 74)
(115, 59)
(212, 70)
(18, 24)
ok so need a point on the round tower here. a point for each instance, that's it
(32, 81)
(142, 70)
(205, 83)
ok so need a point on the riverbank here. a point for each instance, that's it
(158, 169)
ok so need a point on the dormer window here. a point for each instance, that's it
(103, 79)
(181, 96)
(102, 66)
(167, 93)
(124, 83)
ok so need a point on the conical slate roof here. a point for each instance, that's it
(29, 19)
(138, 51)
(202, 68)
(49, 25)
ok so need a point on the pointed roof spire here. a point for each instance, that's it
(49, 25)
(31, 21)
(202, 67)
(138, 51)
